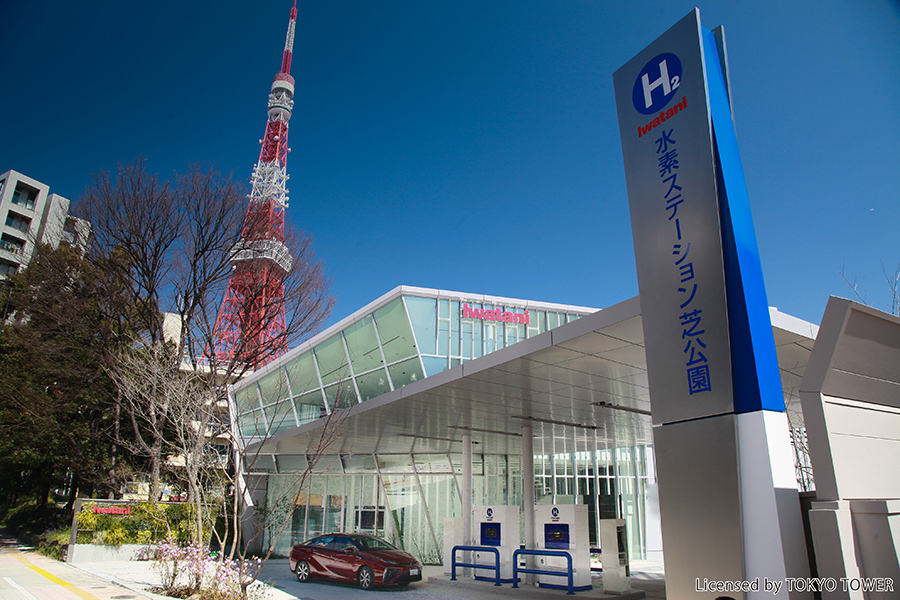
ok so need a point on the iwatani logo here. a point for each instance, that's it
(655, 85)
(655, 88)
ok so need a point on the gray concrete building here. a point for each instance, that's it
(31, 215)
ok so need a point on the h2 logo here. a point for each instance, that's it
(656, 83)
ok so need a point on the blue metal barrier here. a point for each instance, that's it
(495, 568)
(567, 573)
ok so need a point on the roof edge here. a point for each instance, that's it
(408, 290)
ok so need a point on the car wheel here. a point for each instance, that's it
(365, 578)
(302, 571)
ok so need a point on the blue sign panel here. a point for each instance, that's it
(757, 380)
(490, 534)
(556, 536)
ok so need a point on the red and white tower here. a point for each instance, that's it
(251, 324)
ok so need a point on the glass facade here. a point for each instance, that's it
(404, 340)
(406, 497)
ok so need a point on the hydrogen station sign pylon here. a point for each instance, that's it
(728, 496)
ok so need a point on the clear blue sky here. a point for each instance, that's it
(469, 145)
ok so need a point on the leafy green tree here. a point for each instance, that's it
(97, 382)
(57, 417)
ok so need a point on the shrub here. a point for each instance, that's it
(116, 536)
(28, 518)
(186, 570)
(147, 523)
(55, 543)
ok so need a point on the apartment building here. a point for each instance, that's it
(31, 215)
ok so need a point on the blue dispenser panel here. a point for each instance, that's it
(556, 536)
(490, 534)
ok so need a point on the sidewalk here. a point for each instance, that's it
(139, 577)
(40, 578)
(32, 576)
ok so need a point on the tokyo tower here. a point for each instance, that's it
(250, 327)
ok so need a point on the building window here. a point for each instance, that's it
(24, 196)
(18, 222)
(7, 269)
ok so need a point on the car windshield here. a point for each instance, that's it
(372, 543)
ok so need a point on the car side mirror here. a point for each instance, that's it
(350, 550)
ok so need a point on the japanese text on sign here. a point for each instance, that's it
(695, 349)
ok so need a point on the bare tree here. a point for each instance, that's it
(273, 516)
(136, 215)
(148, 381)
(196, 427)
(892, 280)
(176, 239)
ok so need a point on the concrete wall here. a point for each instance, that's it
(851, 405)
(88, 553)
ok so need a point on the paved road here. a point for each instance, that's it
(277, 573)
(435, 587)
(27, 575)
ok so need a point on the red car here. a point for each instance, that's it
(367, 559)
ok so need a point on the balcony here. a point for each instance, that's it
(12, 247)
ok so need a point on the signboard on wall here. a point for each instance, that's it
(666, 134)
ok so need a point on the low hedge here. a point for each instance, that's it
(146, 523)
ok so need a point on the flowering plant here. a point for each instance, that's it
(188, 569)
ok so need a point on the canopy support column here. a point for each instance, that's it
(467, 487)
(528, 492)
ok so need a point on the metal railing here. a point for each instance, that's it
(273, 250)
(570, 587)
(23, 200)
(11, 247)
(495, 567)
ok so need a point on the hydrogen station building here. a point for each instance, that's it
(657, 428)
(427, 371)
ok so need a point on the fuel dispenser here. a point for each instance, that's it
(563, 527)
(496, 526)
(614, 555)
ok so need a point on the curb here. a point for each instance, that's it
(529, 591)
